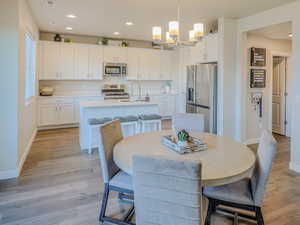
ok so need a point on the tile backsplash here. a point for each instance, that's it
(93, 88)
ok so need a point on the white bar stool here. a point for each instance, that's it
(130, 122)
(150, 120)
(95, 123)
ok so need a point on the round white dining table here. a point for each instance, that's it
(225, 161)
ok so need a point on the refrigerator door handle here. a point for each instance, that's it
(200, 106)
(191, 95)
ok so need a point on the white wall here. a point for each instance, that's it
(286, 13)
(254, 124)
(9, 56)
(226, 78)
(18, 121)
(27, 112)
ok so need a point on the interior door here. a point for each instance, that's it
(278, 95)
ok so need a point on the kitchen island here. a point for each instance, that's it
(111, 109)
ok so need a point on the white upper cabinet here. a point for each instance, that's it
(166, 65)
(88, 62)
(149, 65)
(205, 50)
(95, 62)
(81, 61)
(211, 44)
(115, 54)
(50, 60)
(133, 65)
(67, 61)
(73, 61)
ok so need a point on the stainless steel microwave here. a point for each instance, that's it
(115, 69)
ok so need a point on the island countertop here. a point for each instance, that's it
(114, 103)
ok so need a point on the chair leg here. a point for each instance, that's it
(159, 125)
(104, 203)
(259, 216)
(90, 139)
(210, 210)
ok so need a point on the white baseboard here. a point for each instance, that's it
(251, 141)
(8, 174)
(295, 167)
(26, 152)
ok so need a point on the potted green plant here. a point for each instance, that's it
(183, 137)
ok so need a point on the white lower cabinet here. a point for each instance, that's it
(56, 111)
(47, 114)
(166, 104)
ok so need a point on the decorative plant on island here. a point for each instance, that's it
(183, 138)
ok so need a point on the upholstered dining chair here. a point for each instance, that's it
(167, 192)
(246, 194)
(114, 179)
(188, 122)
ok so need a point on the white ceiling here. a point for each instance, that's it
(278, 31)
(103, 17)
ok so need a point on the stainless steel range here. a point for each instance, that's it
(114, 91)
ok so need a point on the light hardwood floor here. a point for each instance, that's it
(60, 185)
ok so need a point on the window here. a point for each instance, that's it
(30, 58)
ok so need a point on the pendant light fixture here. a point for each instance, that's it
(173, 34)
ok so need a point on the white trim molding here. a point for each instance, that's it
(14, 173)
(8, 174)
(26, 152)
(294, 166)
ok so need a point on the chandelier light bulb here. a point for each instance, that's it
(199, 30)
(168, 38)
(192, 35)
(156, 33)
(174, 28)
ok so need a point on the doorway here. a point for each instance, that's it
(279, 95)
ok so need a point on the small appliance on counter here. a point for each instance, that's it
(46, 91)
(114, 91)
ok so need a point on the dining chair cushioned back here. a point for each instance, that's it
(266, 152)
(167, 192)
(111, 134)
(188, 121)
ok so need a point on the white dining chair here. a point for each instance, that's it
(114, 179)
(167, 192)
(188, 121)
(247, 194)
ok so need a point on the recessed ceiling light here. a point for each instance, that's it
(69, 28)
(129, 23)
(71, 16)
(290, 35)
(116, 33)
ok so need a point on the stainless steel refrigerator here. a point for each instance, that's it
(202, 93)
